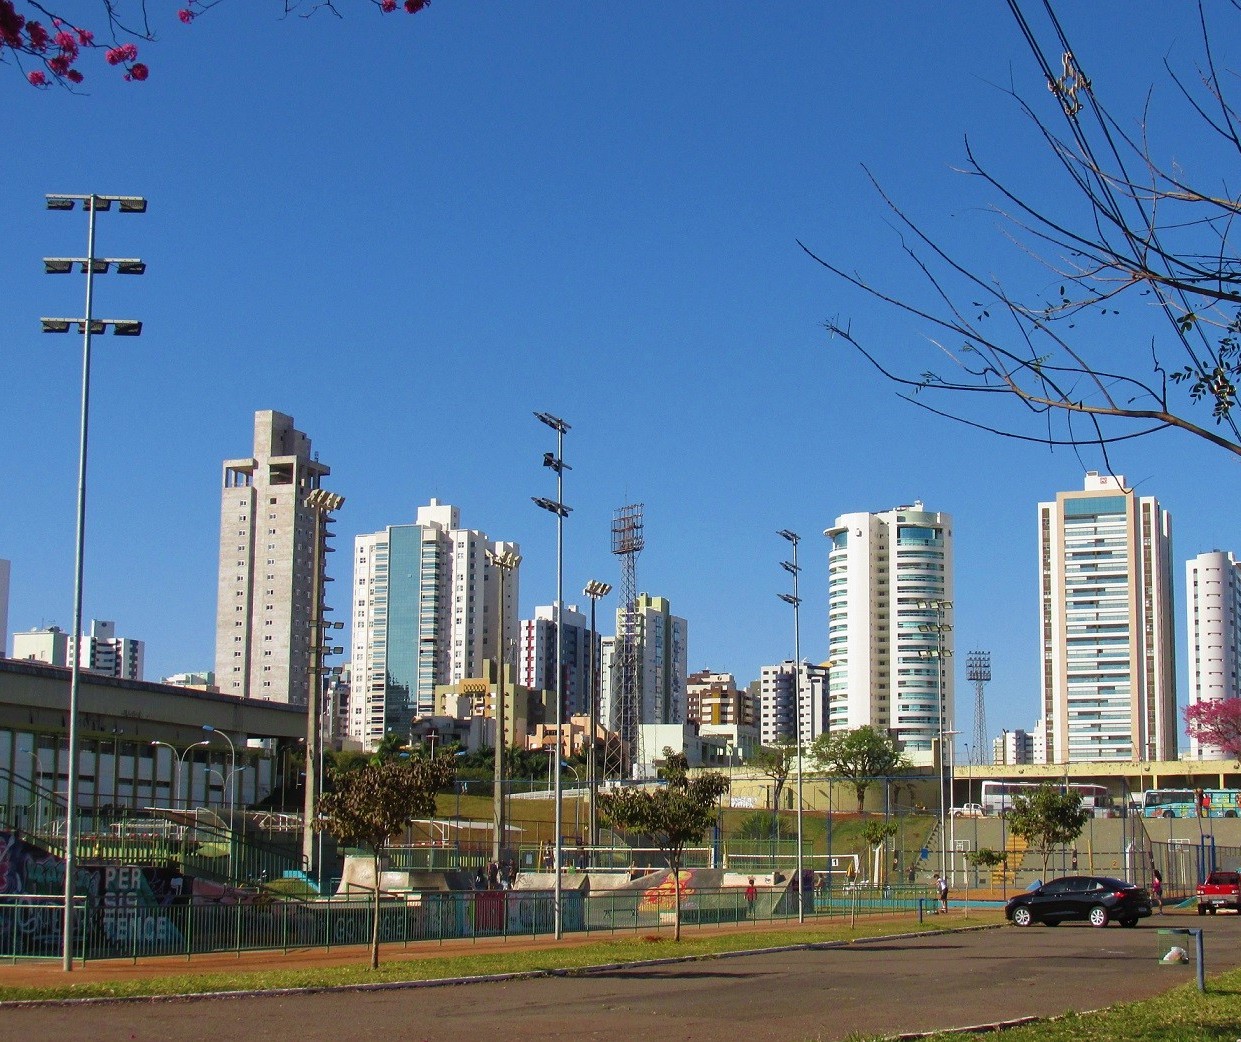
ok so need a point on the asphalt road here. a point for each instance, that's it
(884, 987)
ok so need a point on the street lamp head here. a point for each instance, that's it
(100, 203)
(126, 327)
(792, 537)
(559, 509)
(596, 589)
(788, 598)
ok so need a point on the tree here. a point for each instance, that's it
(54, 46)
(775, 761)
(1216, 723)
(1124, 227)
(369, 806)
(675, 814)
(859, 755)
(877, 833)
(1048, 818)
(984, 858)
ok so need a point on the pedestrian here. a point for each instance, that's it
(1157, 889)
(941, 888)
(751, 895)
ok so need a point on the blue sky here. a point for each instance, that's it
(412, 232)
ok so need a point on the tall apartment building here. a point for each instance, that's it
(889, 608)
(1213, 593)
(425, 612)
(662, 640)
(1015, 747)
(780, 690)
(713, 699)
(264, 611)
(537, 655)
(5, 573)
(103, 651)
(1105, 586)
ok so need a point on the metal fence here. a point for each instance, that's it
(30, 927)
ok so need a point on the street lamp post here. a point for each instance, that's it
(939, 628)
(178, 763)
(557, 506)
(321, 504)
(595, 589)
(87, 325)
(794, 599)
(506, 561)
(232, 754)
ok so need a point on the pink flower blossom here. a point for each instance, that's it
(37, 35)
(37, 79)
(73, 76)
(388, 6)
(138, 71)
(414, 6)
(186, 15)
(86, 37)
(59, 64)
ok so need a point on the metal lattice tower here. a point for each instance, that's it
(627, 543)
(978, 672)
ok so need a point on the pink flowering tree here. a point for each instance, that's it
(1216, 723)
(48, 48)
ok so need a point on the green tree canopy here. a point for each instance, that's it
(1047, 818)
(675, 814)
(370, 805)
(775, 761)
(859, 755)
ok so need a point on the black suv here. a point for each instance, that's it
(1093, 899)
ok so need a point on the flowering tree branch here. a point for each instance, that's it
(1216, 723)
(47, 46)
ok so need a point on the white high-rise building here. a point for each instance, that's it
(662, 641)
(778, 699)
(5, 572)
(1105, 586)
(263, 611)
(104, 652)
(1213, 595)
(889, 636)
(425, 612)
(537, 661)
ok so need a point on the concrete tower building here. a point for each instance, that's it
(263, 612)
(778, 701)
(889, 637)
(104, 652)
(425, 612)
(1105, 585)
(537, 668)
(1213, 592)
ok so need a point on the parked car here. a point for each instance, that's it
(1093, 899)
(968, 810)
(1221, 890)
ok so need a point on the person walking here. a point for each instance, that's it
(751, 895)
(1157, 889)
(941, 889)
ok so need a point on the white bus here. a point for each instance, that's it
(997, 796)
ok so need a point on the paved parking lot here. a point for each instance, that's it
(888, 986)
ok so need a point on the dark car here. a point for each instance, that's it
(1093, 899)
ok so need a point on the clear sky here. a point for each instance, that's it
(410, 233)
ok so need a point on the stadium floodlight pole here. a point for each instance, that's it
(939, 628)
(321, 503)
(595, 589)
(87, 326)
(794, 599)
(506, 561)
(556, 462)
